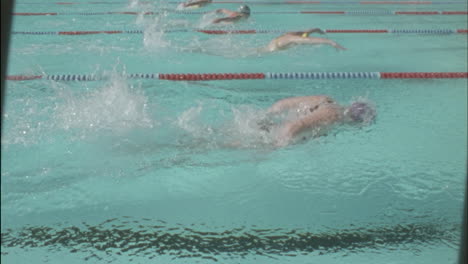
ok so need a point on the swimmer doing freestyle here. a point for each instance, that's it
(290, 39)
(196, 3)
(314, 116)
(233, 16)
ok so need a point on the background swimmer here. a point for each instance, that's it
(314, 115)
(194, 4)
(300, 37)
(233, 16)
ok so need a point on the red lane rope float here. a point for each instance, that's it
(454, 13)
(423, 75)
(85, 13)
(35, 14)
(417, 13)
(23, 77)
(251, 76)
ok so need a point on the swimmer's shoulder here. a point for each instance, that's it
(319, 99)
(326, 98)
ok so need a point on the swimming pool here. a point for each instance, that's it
(136, 169)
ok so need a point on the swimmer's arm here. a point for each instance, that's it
(313, 30)
(272, 46)
(321, 118)
(313, 40)
(199, 2)
(264, 49)
(292, 102)
(225, 19)
(226, 12)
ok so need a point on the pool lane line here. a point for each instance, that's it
(83, 13)
(249, 76)
(268, 2)
(369, 31)
(249, 31)
(353, 12)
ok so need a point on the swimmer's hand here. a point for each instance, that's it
(284, 136)
(265, 124)
(282, 142)
(335, 45)
(262, 50)
(313, 30)
(339, 47)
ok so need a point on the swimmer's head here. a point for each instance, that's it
(244, 10)
(361, 112)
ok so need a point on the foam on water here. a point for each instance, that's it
(154, 38)
(240, 127)
(116, 106)
(141, 5)
(246, 129)
(207, 20)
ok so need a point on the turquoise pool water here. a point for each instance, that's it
(139, 170)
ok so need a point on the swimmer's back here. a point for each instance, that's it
(304, 101)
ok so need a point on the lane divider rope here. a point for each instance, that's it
(248, 31)
(272, 3)
(352, 12)
(249, 76)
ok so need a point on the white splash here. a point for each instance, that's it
(207, 20)
(153, 34)
(251, 127)
(116, 106)
(188, 119)
(241, 129)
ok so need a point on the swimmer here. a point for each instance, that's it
(233, 16)
(300, 37)
(196, 3)
(313, 116)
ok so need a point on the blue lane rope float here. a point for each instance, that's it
(35, 32)
(323, 75)
(423, 31)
